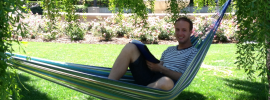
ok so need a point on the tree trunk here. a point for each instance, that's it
(95, 3)
(268, 66)
(268, 56)
(268, 59)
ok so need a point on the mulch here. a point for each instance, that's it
(91, 39)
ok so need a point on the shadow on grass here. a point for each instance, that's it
(186, 95)
(256, 90)
(33, 93)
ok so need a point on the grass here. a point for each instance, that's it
(222, 80)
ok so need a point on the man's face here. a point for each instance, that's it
(182, 32)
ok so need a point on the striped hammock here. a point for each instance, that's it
(92, 80)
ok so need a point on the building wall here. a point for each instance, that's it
(159, 10)
(92, 16)
(160, 7)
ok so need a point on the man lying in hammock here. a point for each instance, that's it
(174, 60)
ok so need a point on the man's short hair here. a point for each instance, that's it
(187, 20)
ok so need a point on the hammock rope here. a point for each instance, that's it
(92, 80)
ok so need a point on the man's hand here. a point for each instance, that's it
(154, 67)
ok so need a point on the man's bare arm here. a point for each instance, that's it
(160, 68)
(172, 74)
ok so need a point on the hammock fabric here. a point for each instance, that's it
(92, 80)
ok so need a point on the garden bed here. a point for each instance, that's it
(113, 30)
(91, 39)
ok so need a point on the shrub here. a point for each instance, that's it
(124, 30)
(90, 26)
(146, 35)
(220, 36)
(163, 35)
(76, 33)
(166, 32)
(121, 31)
(229, 29)
(31, 34)
(106, 33)
(202, 26)
(148, 38)
(51, 36)
(96, 29)
(75, 30)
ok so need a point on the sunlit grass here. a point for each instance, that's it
(220, 80)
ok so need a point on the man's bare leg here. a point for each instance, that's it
(164, 83)
(129, 54)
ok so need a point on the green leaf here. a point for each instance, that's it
(18, 19)
(2, 55)
(19, 27)
(24, 42)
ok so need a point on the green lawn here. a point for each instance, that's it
(220, 80)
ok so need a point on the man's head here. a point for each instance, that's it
(183, 28)
(187, 20)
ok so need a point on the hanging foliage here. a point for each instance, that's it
(10, 26)
(175, 7)
(139, 8)
(253, 18)
(12, 30)
(51, 11)
(73, 29)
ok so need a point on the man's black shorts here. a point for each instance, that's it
(142, 74)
